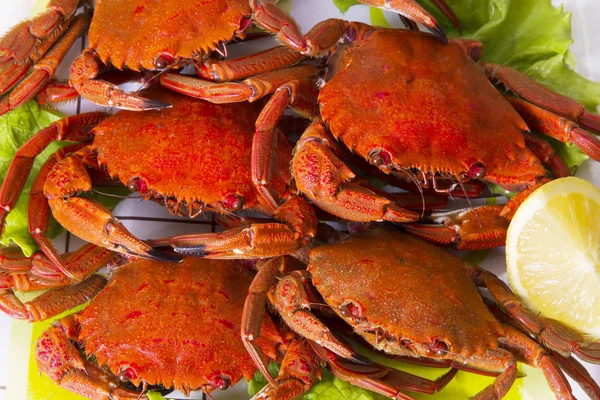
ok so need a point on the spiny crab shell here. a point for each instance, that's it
(177, 325)
(192, 155)
(119, 32)
(448, 120)
(408, 290)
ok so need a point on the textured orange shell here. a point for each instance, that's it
(133, 33)
(195, 150)
(409, 288)
(175, 324)
(428, 104)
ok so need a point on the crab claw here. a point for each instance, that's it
(254, 241)
(105, 93)
(160, 256)
(93, 223)
(413, 11)
(85, 69)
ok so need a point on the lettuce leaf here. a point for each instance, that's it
(344, 5)
(16, 127)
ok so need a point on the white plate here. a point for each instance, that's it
(586, 32)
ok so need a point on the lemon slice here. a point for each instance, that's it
(553, 253)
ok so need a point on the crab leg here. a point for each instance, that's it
(546, 154)
(84, 70)
(38, 212)
(301, 95)
(273, 19)
(559, 128)
(250, 89)
(579, 374)
(254, 307)
(18, 44)
(474, 228)
(58, 358)
(86, 218)
(56, 91)
(498, 361)
(44, 69)
(11, 74)
(36, 273)
(329, 183)
(471, 229)
(527, 88)
(413, 11)
(533, 354)
(299, 371)
(265, 61)
(551, 333)
(291, 300)
(52, 302)
(258, 240)
(383, 380)
(27, 274)
(75, 128)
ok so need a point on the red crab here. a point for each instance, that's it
(156, 323)
(412, 299)
(149, 36)
(24, 274)
(415, 108)
(192, 158)
(41, 43)
(177, 325)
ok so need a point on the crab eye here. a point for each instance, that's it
(438, 347)
(379, 157)
(163, 61)
(221, 382)
(137, 185)
(233, 202)
(127, 374)
(351, 310)
(477, 171)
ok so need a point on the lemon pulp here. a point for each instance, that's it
(553, 253)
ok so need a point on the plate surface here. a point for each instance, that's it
(13, 353)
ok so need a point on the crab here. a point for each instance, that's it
(193, 157)
(414, 108)
(42, 44)
(157, 323)
(177, 325)
(181, 34)
(412, 299)
(29, 274)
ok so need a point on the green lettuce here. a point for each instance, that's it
(16, 127)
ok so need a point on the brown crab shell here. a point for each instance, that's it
(426, 104)
(405, 294)
(174, 324)
(134, 33)
(194, 151)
